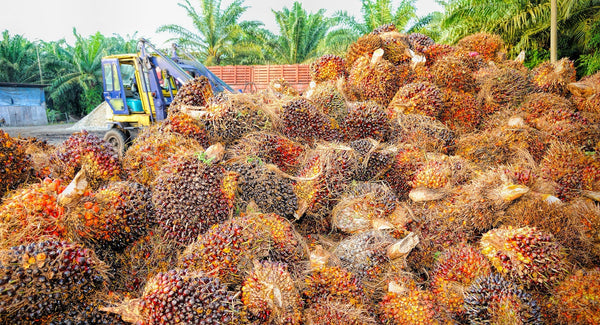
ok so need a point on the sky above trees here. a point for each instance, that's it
(54, 20)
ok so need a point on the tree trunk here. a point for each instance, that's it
(553, 32)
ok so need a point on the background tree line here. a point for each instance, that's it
(220, 37)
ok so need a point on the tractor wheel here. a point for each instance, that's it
(117, 139)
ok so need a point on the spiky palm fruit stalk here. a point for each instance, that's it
(364, 46)
(282, 88)
(39, 151)
(43, 278)
(554, 77)
(376, 79)
(490, 46)
(32, 213)
(576, 298)
(265, 186)
(183, 297)
(363, 204)
(270, 295)
(329, 99)
(587, 215)
(416, 98)
(412, 306)
(451, 72)
(585, 93)
(494, 300)
(460, 111)
(337, 313)
(151, 151)
(400, 175)
(455, 270)
(526, 255)
(436, 51)
(114, 216)
(190, 195)
(90, 153)
(333, 283)
(504, 88)
(571, 169)
(197, 92)
(425, 132)
(376, 158)
(184, 124)
(420, 42)
(16, 163)
(366, 120)
(271, 148)
(303, 121)
(328, 67)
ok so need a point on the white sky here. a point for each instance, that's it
(51, 20)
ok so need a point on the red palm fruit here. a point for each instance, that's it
(494, 300)
(504, 88)
(385, 28)
(270, 295)
(436, 51)
(39, 151)
(576, 298)
(456, 269)
(434, 174)
(333, 283)
(416, 98)
(328, 67)
(420, 42)
(303, 121)
(366, 120)
(412, 306)
(425, 132)
(395, 47)
(451, 72)
(16, 163)
(197, 92)
(554, 77)
(526, 255)
(490, 46)
(337, 313)
(184, 124)
(327, 97)
(407, 162)
(365, 45)
(271, 148)
(461, 111)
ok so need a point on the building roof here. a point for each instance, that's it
(22, 85)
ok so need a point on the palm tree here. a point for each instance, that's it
(216, 29)
(18, 59)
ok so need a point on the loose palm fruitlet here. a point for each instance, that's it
(44, 278)
(90, 153)
(15, 164)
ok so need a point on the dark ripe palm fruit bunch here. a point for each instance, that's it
(419, 42)
(493, 300)
(337, 313)
(395, 47)
(425, 132)
(271, 148)
(400, 175)
(490, 46)
(327, 97)
(184, 124)
(194, 93)
(364, 46)
(460, 112)
(366, 120)
(451, 72)
(190, 195)
(86, 151)
(416, 98)
(86, 313)
(304, 122)
(504, 87)
(554, 77)
(32, 213)
(45, 278)
(114, 216)
(271, 296)
(265, 186)
(15, 165)
(576, 297)
(327, 68)
(375, 158)
(456, 269)
(525, 255)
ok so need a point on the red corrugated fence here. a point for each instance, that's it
(257, 77)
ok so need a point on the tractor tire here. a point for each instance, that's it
(118, 140)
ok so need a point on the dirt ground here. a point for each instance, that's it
(53, 134)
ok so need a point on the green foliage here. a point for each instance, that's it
(590, 61)
(18, 60)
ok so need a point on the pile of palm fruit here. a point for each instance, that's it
(412, 183)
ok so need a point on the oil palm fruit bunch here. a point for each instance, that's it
(337, 313)
(85, 313)
(39, 151)
(271, 148)
(303, 121)
(571, 169)
(16, 164)
(416, 98)
(576, 298)
(490, 46)
(364, 46)
(395, 46)
(230, 116)
(184, 124)
(405, 165)
(151, 151)
(329, 99)
(456, 269)
(420, 42)
(114, 216)
(433, 174)
(493, 300)
(191, 194)
(265, 186)
(375, 157)
(90, 153)
(436, 51)
(554, 77)
(182, 297)
(504, 88)
(362, 205)
(327, 68)
(411, 305)
(197, 92)
(333, 283)
(43, 278)
(587, 215)
(32, 213)
(281, 88)
(526, 255)
(425, 132)
(366, 120)
(270, 295)
(452, 72)
(460, 111)
(585, 93)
